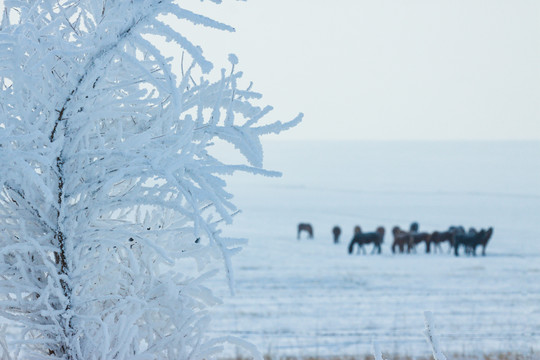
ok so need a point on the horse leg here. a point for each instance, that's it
(410, 245)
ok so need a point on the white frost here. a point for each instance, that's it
(107, 187)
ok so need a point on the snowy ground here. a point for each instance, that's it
(309, 297)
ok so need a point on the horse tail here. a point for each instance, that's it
(351, 246)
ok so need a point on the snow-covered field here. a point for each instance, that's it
(309, 297)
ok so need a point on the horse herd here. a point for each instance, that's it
(456, 236)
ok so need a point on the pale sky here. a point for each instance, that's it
(389, 69)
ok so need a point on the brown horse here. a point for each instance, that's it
(418, 237)
(401, 238)
(305, 227)
(336, 231)
(438, 237)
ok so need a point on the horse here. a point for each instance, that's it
(438, 237)
(401, 238)
(470, 241)
(485, 240)
(336, 231)
(305, 227)
(469, 249)
(481, 241)
(366, 238)
(416, 238)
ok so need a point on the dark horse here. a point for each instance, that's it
(336, 231)
(417, 238)
(471, 240)
(485, 241)
(305, 227)
(361, 239)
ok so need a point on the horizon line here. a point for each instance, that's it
(279, 139)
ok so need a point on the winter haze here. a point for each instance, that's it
(429, 70)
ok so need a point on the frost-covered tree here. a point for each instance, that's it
(109, 188)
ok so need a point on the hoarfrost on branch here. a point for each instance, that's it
(108, 184)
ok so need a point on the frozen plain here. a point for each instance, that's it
(309, 297)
